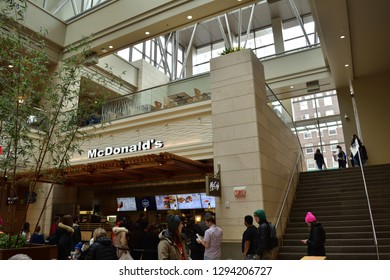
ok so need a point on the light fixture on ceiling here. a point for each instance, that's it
(346, 65)
(10, 66)
(291, 87)
(147, 33)
(342, 36)
(110, 47)
(189, 17)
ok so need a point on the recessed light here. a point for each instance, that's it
(291, 86)
(189, 17)
(346, 65)
(10, 66)
(104, 50)
(110, 47)
(342, 36)
(147, 33)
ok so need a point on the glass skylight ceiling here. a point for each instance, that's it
(68, 9)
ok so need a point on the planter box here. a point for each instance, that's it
(34, 251)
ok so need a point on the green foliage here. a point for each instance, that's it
(41, 108)
(231, 50)
(7, 241)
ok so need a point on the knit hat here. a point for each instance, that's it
(78, 246)
(173, 222)
(261, 214)
(310, 218)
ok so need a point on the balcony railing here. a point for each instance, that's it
(178, 93)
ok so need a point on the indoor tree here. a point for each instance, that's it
(41, 117)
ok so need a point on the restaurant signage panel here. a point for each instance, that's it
(140, 146)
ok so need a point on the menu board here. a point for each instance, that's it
(188, 201)
(148, 202)
(126, 204)
(166, 202)
(205, 199)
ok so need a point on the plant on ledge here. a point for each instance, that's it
(231, 50)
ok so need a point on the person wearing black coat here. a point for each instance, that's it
(262, 251)
(102, 247)
(63, 237)
(317, 237)
(319, 159)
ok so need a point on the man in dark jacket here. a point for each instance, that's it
(263, 236)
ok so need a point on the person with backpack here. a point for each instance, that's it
(341, 157)
(262, 247)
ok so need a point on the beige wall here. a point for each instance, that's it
(253, 146)
(372, 100)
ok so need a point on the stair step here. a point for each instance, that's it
(337, 198)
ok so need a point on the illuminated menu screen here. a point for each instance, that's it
(166, 202)
(188, 201)
(126, 204)
(205, 200)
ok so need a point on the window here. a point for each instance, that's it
(320, 133)
(328, 101)
(329, 113)
(309, 149)
(317, 115)
(304, 105)
(323, 146)
(333, 145)
(310, 164)
(305, 117)
(332, 131)
(307, 135)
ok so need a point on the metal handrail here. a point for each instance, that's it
(369, 205)
(287, 193)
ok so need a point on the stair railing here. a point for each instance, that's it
(369, 205)
(288, 196)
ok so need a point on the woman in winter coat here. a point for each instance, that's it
(316, 242)
(120, 239)
(101, 248)
(64, 237)
(172, 245)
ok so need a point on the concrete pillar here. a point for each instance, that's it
(254, 147)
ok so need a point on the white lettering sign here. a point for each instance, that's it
(140, 146)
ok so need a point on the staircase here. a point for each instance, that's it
(337, 199)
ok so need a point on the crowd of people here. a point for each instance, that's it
(357, 157)
(176, 240)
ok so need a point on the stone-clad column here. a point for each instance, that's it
(253, 146)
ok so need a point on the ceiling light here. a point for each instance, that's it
(147, 33)
(110, 47)
(346, 65)
(291, 86)
(10, 66)
(342, 36)
(189, 17)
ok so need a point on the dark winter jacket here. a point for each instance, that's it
(262, 238)
(316, 241)
(101, 249)
(64, 241)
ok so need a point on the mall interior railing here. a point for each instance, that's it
(178, 93)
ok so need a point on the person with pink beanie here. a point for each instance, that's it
(317, 237)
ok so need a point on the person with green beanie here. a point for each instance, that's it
(263, 236)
